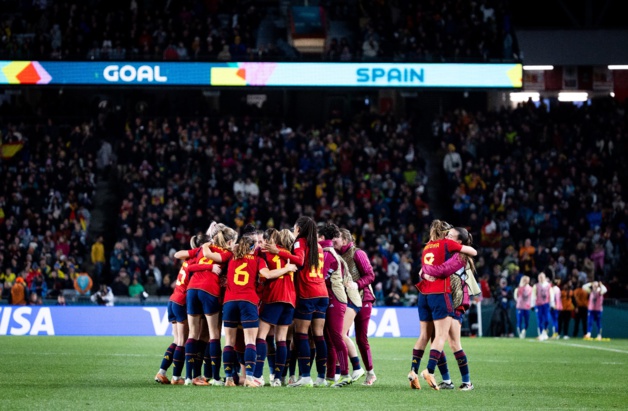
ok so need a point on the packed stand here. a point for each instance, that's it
(541, 192)
(438, 31)
(45, 210)
(180, 175)
(196, 30)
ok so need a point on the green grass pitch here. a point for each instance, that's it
(116, 373)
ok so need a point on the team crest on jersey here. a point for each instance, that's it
(296, 245)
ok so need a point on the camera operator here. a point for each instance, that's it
(104, 296)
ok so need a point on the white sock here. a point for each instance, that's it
(162, 371)
(447, 381)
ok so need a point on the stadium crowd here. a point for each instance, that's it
(369, 178)
(228, 31)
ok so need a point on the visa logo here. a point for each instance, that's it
(392, 75)
(128, 74)
(22, 321)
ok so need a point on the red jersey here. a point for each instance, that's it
(204, 278)
(279, 290)
(310, 281)
(242, 278)
(181, 286)
(436, 253)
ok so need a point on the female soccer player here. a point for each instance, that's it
(541, 301)
(312, 297)
(360, 269)
(177, 315)
(596, 291)
(463, 285)
(334, 324)
(241, 302)
(277, 309)
(523, 297)
(203, 298)
(435, 303)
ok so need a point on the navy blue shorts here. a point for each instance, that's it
(240, 312)
(434, 307)
(277, 313)
(201, 302)
(176, 313)
(311, 308)
(353, 307)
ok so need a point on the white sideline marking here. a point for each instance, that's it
(588, 346)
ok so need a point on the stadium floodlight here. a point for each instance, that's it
(524, 96)
(538, 68)
(618, 67)
(573, 96)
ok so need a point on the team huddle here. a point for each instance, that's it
(290, 297)
(284, 297)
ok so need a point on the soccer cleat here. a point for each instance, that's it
(251, 382)
(587, 336)
(272, 378)
(303, 382)
(343, 381)
(200, 381)
(599, 337)
(320, 382)
(229, 382)
(466, 386)
(217, 383)
(292, 379)
(357, 374)
(179, 381)
(188, 381)
(260, 381)
(414, 380)
(566, 337)
(431, 381)
(161, 379)
(276, 383)
(370, 379)
(446, 385)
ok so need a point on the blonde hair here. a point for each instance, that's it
(346, 235)
(524, 280)
(439, 229)
(286, 239)
(223, 234)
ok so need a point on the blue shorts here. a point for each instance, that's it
(176, 313)
(277, 313)
(201, 302)
(311, 308)
(353, 307)
(434, 307)
(240, 312)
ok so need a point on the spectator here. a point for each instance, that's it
(98, 257)
(18, 292)
(135, 289)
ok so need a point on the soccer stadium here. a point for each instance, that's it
(348, 204)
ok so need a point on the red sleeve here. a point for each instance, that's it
(298, 257)
(193, 252)
(225, 254)
(201, 265)
(452, 245)
(445, 269)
